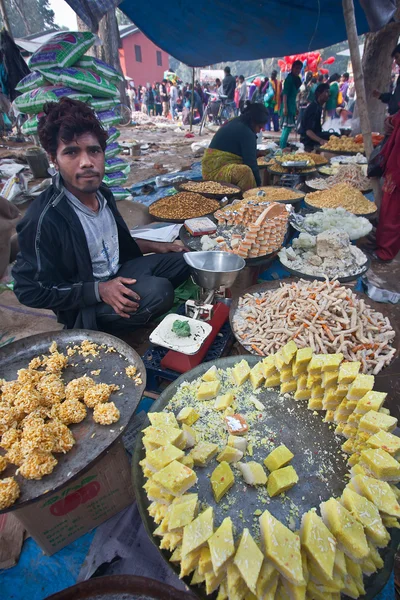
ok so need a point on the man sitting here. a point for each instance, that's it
(77, 256)
(311, 134)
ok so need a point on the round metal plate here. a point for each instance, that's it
(121, 587)
(316, 208)
(306, 442)
(347, 279)
(164, 220)
(311, 171)
(236, 191)
(92, 439)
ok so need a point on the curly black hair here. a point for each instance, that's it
(65, 120)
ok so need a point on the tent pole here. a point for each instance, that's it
(351, 28)
(192, 102)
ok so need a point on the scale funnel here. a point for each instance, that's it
(212, 270)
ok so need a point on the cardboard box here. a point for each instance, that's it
(84, 503)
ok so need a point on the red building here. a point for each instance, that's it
(140, 59)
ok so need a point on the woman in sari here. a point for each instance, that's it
(388, 230)
(232, 154)
(333, 100)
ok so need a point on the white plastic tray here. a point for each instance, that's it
(165, 337)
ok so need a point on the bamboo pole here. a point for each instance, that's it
(192, 102)
(351, 28)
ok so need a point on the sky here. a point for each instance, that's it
(64, 15)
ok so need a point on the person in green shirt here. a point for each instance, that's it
(289, 101)
(334, 89)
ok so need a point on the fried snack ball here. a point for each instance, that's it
(55, 363)
(37, 464)
(15, 455)
(9, 492)
(63, 440)
(9, 438)
(70, 411)
(76, 388)
(3, 463)
(97, 394)
(51, 389)
(36, 435)
(9, 390)
(9, 416)
(105, 414)
(29, 376)
(27, 398)
(35, 363)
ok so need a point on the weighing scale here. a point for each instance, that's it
(214, 273)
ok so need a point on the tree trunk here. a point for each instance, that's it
(4, 16)
(22, 13)
(377, 65)
(109, 51)
(83, 27)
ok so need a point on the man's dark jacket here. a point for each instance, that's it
(54, 268)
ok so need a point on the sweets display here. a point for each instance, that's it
(270, 194)
(312, 551)
(343, 144)
(329, 254)
(328, 218)
(206, 187)
(37, 409)
(184, 205)
(249, 229)
(342, 195)
(323, 315)
(350, 174)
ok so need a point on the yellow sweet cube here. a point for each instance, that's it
(230, 455)
(222, 479)
(182, 511)
(329, 379)
(170, 541)
(317, 391)
(188, 416)
(341, 390)
(348, 371)
(289, 386)
(371, 401)
(302, 382)
(257, 375)
(156, 493)
(253, 473)
(360, 386)
(175, 478)
(268, 365)
(329, 416)
(282, 548)
(187, 461)
(346, 529)
(279, 360)
(373, 421)
(289, 351)
(189, 563)
(380, 464)
(190, 436)
(286, 374)
(248, 559)
(273, 381)
(196, 533)
(278, 458)
(366, 512)
(160, 458)
(281, 480)
(211, 374)
(236, 585)
(318, 542)
(386, 441)
(203, 452)
(222, 545)
(315, 404)
(208, 390)
(213, 581)
(162, 419)
(240, 443)
(314, 380)
(315, 365)
(302, 360)
(302, 395)
(331, 362)
(241, 372)
(160, 436)
(222, 402)
(268, 575)
(205, 562)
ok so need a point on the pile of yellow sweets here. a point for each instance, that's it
(343, 144)
(338, 541)
(36, 410)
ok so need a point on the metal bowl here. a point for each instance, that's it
(211, 270)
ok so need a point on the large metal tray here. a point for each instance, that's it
(92, 439)
(317, 208)
(347, 279)
(164, 220)
(120, 587)
(304, 433)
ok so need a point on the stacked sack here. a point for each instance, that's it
(60, 68)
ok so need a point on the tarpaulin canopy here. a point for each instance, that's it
(209, 31)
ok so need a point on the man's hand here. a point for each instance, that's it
(172, 247)
(116, 294)
(376, 94)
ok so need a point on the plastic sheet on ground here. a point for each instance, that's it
(148, 199)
